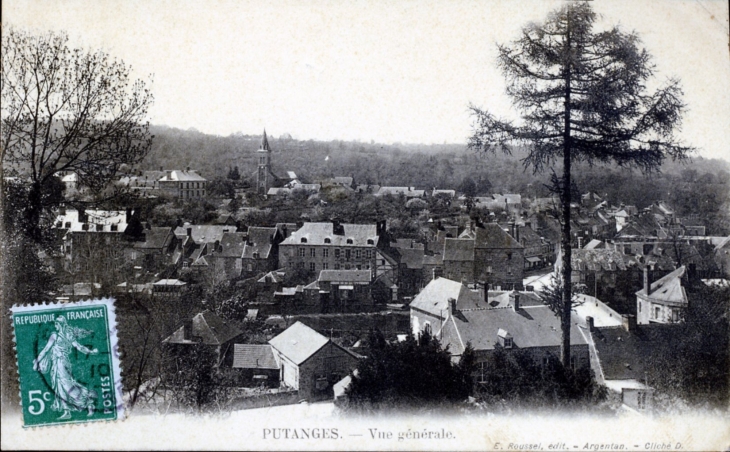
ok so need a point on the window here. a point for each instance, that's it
(347, 266)
(303, 240)
(313, 252)
(640, 303)
(249, 267)
(482, 372)
(507, 342)
(675, 315)
(311, 266)
(326, 252)
(325, 266)
(302, 252)
(300, 264)
(368, 254)
(114, 228)
(641, 400)
(370, 242)
(657, 312)
(509, 256)
(337, 253)
(427, 328)
(347, 254)
(327, 240)
(67, 225)
(337, 266)
(358, 266)
(349, 241)
(357, 254)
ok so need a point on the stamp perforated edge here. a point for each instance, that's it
(113, 345)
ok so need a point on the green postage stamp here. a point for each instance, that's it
(68, 362)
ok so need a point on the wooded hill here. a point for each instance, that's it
(700, 186)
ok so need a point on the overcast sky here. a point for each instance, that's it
(389, 71)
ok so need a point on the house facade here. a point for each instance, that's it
(330, 246)
(309, 362)
(664, 300)
(186, 184)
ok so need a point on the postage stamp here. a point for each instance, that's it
(68, 362)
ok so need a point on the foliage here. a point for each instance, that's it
(417, 372)
(513, 380)
(67, 109)
(583, 97)
(552, 294)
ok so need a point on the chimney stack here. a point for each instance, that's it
(452, 306)
(188, 330)
(628, 321)
(514, 300)
(647, 279)
(190, 231)
(590, 323)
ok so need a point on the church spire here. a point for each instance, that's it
(265, 142)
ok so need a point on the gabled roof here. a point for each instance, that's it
(272, 277)
(625, 356)
(206, 233)
(530, 326)
(260, 241)
(667, 288)
(95, 221)
(211, 329)
(600, 259)
(407, 244)
(253, 356)
(409, 192)
(434, 298)
(493, 236)
(361, 276)
(298, 342)
(156, 238)
(412, 258)
(183, 176)
(316, 233)
(461, 250)
(232, 244)
(722, 244)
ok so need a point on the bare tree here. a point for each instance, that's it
(583, 98)
(67, 109)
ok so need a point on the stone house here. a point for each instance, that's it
(309, 362)
(331, 246)
(664, 300)
(209, 330)
(186, 184)
(458, 260)
(157, 248)
(499, 259)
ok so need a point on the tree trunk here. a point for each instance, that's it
(565, 194)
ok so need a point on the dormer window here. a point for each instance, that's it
(371, 242)
(114, 228)
(349, 241)
(327, 240)
(99, 227)
(504, 338)
(303, 240)
(67, 225)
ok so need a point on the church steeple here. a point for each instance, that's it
(265, 142)
(263, 175)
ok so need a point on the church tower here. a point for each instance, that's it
(263, 176)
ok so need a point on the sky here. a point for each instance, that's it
(389, 71)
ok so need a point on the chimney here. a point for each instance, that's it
(83, 218)
(162, 169)
(187, 169)
(647, 279)
(514, 300)
(190, 231)
(590, 323)
(628, 321)
(452, 306)
(337, 228)
(127, 215)
(486, 292)
(188, 330)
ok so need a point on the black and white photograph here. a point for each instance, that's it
(365, 225)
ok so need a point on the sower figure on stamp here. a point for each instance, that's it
(55, 361)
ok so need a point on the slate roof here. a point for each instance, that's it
(105, 218)
(434, 298)
(298, 342)
(436, 259)
(406, 243)
(409, 192)
(170, 282)
(343, 180)
(184, 176)
(627, 356)
(253, 356)
(211, 329)
(600, 259)
(437, 191)
(668, 289)
(259, 241)
(501, 299)
(206, 233)
(493, 236)
(231, 244)
(460, 250)
(530, 326)
(362, 276)
(272, 277)
(412, 257)
(315, 233)
(155, 238)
